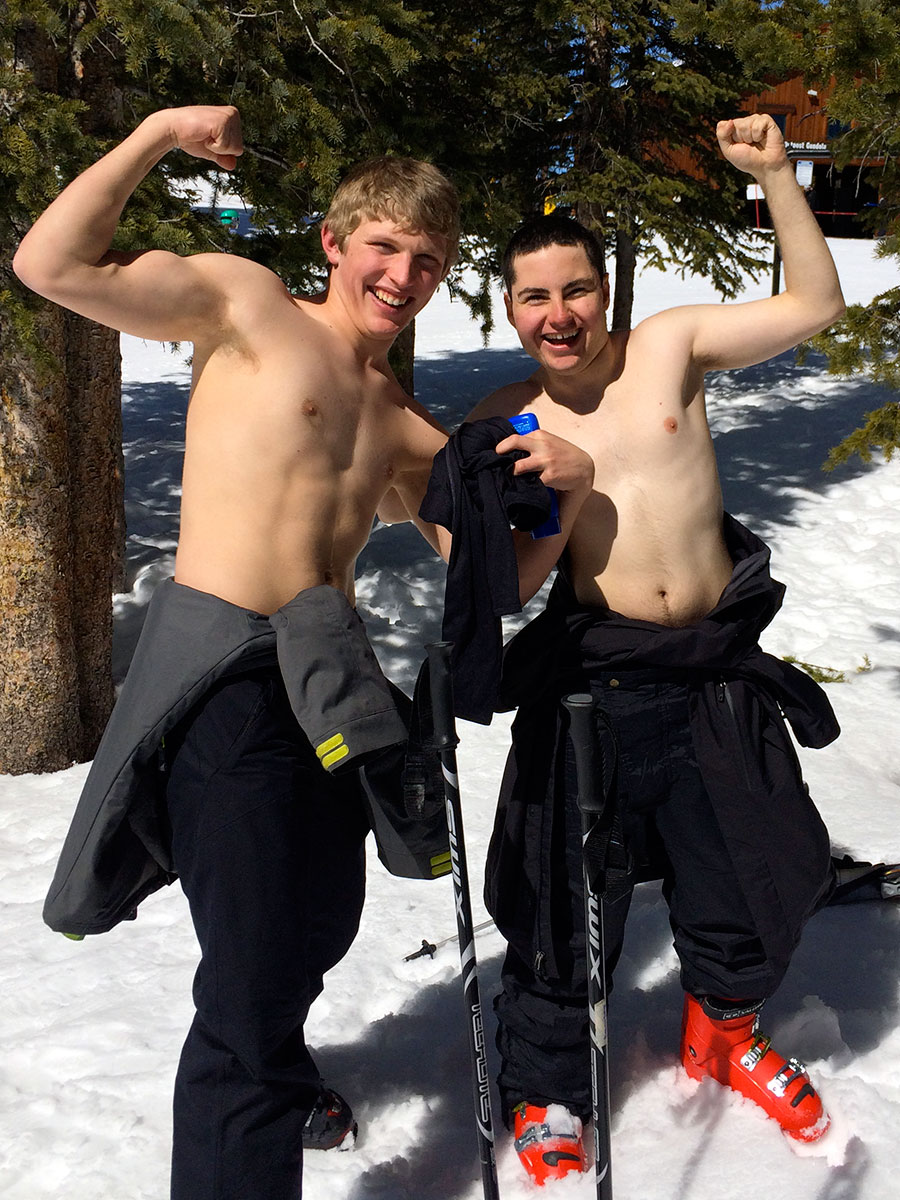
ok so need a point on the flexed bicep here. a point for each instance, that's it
(66, 255)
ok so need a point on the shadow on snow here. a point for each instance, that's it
(826, 1009)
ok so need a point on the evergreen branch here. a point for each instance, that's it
(819, 674)
(268, 156)
(881, 431)
(313, 42)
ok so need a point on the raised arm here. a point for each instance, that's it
(66, 255)
(738, 335)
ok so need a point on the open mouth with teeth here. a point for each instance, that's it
(394, 302)
(562, 341)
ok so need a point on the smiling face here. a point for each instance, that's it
(383, 275)
(557, 303)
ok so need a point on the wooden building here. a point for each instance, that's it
(836, 196)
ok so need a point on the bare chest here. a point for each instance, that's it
(297, 410)
(648, 540)
(644, 432)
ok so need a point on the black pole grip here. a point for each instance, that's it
(588, 755)
(441, 684)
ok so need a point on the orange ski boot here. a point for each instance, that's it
(726, 1045)
(548, 1141)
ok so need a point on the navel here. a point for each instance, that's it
(670, 425)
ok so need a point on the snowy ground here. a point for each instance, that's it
(91, 1031)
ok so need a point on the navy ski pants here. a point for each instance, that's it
(269, 850)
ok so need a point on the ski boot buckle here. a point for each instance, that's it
(783, 1078)
(756, 1051)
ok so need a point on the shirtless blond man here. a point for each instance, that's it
(296, 432)
(659, 601)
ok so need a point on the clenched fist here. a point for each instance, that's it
(208, 131)
(753, 144)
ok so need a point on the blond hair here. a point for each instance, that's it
(414, 195)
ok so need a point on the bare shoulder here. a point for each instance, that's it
(221, 296)
(260, 310)
(665, 339)
(241, 280)
(507, 400)
(668, 324)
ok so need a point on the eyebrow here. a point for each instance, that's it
(587, 281)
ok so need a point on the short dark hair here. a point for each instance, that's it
(537, 233)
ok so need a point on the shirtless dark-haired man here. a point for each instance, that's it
(656, 610)
(254, 691)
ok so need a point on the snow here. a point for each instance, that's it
(91, 1031)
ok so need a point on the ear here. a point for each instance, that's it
(330, 246)
(509, 309)
(605, 292)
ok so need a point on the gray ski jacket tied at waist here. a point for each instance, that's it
(116, 852)
(777, 842)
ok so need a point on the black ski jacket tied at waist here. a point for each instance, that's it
(474, 493)
(737, 694)
(117, 849)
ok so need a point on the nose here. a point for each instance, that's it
(558, 313)
(402, 270)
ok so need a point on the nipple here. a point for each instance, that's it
(670, 425)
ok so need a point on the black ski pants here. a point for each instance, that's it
(668, 820)
(269, 849)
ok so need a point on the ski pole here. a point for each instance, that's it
(446, 741)
(429, 948)
(591, 802)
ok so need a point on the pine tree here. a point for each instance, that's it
(588, 105)
(861, 49)
(652, 82)
(855, 44)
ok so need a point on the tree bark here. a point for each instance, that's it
(38, 699)
(96, 516)
(60, 499)
(626, 261)
(402, 358)
(61, 495)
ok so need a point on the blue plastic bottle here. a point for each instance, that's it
(527, 423)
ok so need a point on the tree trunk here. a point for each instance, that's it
(402, 358)
(60, 499)
(623, 301)
(96, 512)
(38, 702)
(61, 496)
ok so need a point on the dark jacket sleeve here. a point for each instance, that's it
(474, 493)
